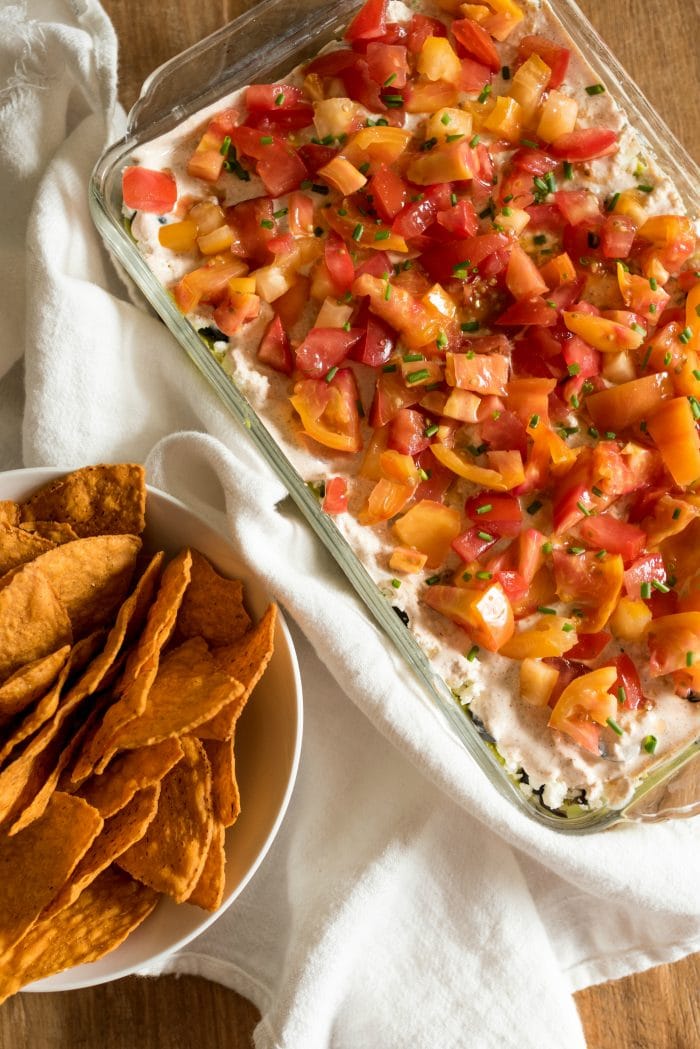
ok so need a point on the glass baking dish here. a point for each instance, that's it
(260, 46)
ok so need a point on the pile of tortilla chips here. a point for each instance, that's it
(121, 681)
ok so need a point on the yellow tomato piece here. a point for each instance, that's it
(429, 527)
(621, 406)
(385, 500)
(509, 465)
(630, 619)
(506, 119)
(528, 85)
(340, 174)
(550, 636)
(178, 236)
(586, 697)
(470, 471)
(447, 163)
(486, 615)
(448, 121)
(675, 434)
(438, 60)
(398, 467)
(370, 465)
(336, 116)
(207, 216)
(603, 334)
(462, 405)
(558, 116)
(537, 681)
(380, 144)
(631, 203)
(692, 316)
(404, 559)
(428, 95)
(662, 230)
(515, 220)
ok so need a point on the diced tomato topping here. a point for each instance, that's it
(643, 573)
(585, 144)
(407, 432)
(369, 22)
(605, 532)
(147, 190)
(274, 349)
(335, 499)
(552, 54)
(323, 349)
(590, 646)
(477, 43)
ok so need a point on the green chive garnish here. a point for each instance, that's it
(649, 744)
(614, 726)
(418, 376)
(595, 89)
(545, 611)
(473, 653)
(485, 508)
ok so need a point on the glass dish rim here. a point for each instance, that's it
(143, 125)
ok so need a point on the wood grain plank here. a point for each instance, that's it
(658, 1009)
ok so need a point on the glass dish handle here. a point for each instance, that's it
(674, 797)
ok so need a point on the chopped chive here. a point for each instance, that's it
(597, 491)
(266, 140)
(225, 146)
(484, 575)
(466, 576)
(474, 141)
(584, 509)
(649, 744)
(428, 144)
(396, 583)
(441, 340)
(601, 555)
(568, 170)
(541, 238)
(534, 507)
(390, 79)
(638, 328)
(577, 550)
(689, 656)
(653, 283)
(331, 373)
(661, 587)
(534, 420)
(423, 474)
(387, 292)
(453, 199)
(573, 369)
(393, 100)
(382, 234)
(473, 653)
(545, 611)
(685, 336)
(418, 376)
(280, 214)
(484, 94)
(485, 508)
(486, 536)
(668, 357)
(696, 374)
(593, 240)
(528, 143)
(621, 694)
(358, 231)
(318, 231)
(592, 432)
(547, 548)
(389, 368)
(574, 401)
(431, 430)
(646, 188)
(614, 726)
(267, 223)
(453, 138)
(611, 204)
(609, 435)
(645, 591)
(595, 89)
(470, 326)
(506, 211)
(676, 513)
(346, 326)
(432, 580)
(645, 358)
(505, 72)
(695, 407)
(411, 358)
(568, 627)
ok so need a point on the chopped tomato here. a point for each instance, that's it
(387, 64)
(552, 54)
(323, 349)
(407, 432)
(237, 310)
(369, 22)
(605, 532)
(645, 570)
(329, 412)
(147, 190)
(389, 193)
(470, 545)
(550, 636)
(590, 646)
(675, 433)
(670, 639)
(627, 688)
(339, 263)
(335, 499)
(591, 583)
(430, 527)
(486, 615)
(530, 310)
(274, 349)
(477, 43)
(500, 512)
(585, 704)
(420, 28)
(585, 144)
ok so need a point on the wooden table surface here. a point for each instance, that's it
(657, 40)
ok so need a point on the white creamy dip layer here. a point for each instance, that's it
(488, 684)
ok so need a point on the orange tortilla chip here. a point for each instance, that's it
(57, 531)
(91, 576)
(142, 665)
(109, 499)
(9, 512)
(225, 796)
(188, 689)
(118, 833)
(209, 890)
(95, 924)
(18, 546)
(33, 620)
(245, 660)
(37, 862)
(171, 855)
(29, 683)
(212, 607)
(128, 773)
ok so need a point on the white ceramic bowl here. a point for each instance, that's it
(268, 745)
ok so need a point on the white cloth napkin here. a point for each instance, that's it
(404, 902)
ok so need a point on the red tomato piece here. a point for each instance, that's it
(339, 263)
(420, 28)
(323, 349)
(605, 532)
(500, 512)
(531, 310)
(234, 312)
(533, 161)
(589, 646)
(147, 190)
(584, 359)
(627, 681)
(553, 55)
(377, 344)
(407, 432)
(474, 76)
(280, 105)
(617, 236)
(329, 410)
(477, 43)
(390, 395)
(646, 569)
(516, 588)
(442, 262)
(389, 192)
(470, 545)
(545, 217)
(578, 205)
(439, 477)
(415, 217)
(253, 221)
(502, 431)
(460, 220)
(585, 144)
(369, 22)
(335, 499)
(274, 349)
(387, 64)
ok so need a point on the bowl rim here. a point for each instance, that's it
(42, 475)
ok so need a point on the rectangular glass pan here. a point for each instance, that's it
(261, 46)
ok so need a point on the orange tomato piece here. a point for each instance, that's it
(429, 527)
(486, 615)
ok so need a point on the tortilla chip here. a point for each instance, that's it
(35, 864)
(109, 499)
(188, 689)
(33, 620)
(171, 855)
(57, 531)
(245, 660)
(226, 799)
(118, 833)
(209, 890)
(29, 683)
(132, 771)
(212, 607)
(17, 547)
(141, 667)
(9, 512)
(91, 576)
(95, 924)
